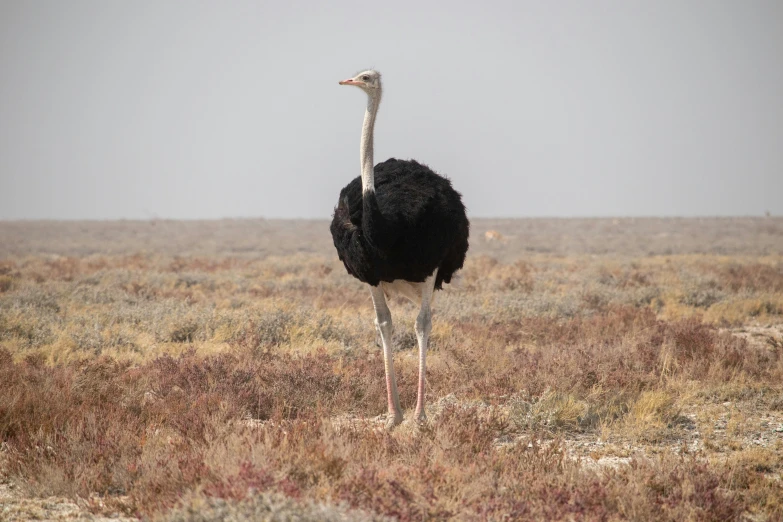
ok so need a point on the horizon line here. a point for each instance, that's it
(480, 218)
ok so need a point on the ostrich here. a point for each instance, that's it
(402, 229)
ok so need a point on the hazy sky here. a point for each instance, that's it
(186, 109)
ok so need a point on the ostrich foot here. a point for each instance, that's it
(393, 420)
(421, 419)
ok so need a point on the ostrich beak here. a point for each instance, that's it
(351, 81)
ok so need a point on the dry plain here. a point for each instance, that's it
(579, 369)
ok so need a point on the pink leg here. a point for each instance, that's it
(423, 329)
(383, 322)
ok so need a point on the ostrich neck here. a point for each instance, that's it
(366, 152)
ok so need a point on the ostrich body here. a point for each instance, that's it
(402, 229)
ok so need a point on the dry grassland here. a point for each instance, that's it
(227, 370)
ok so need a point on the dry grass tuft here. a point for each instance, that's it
(652, 415)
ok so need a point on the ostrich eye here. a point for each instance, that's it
(366, 78)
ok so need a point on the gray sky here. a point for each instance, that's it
(186, 109)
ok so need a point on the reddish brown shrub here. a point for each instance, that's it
(250, 479)
(753, 277)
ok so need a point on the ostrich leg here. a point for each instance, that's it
(383, 321)
(423, 328)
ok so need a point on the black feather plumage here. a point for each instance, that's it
(412, 224)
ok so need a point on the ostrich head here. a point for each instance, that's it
(369, 81)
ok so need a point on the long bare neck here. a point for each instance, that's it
(366, 152)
